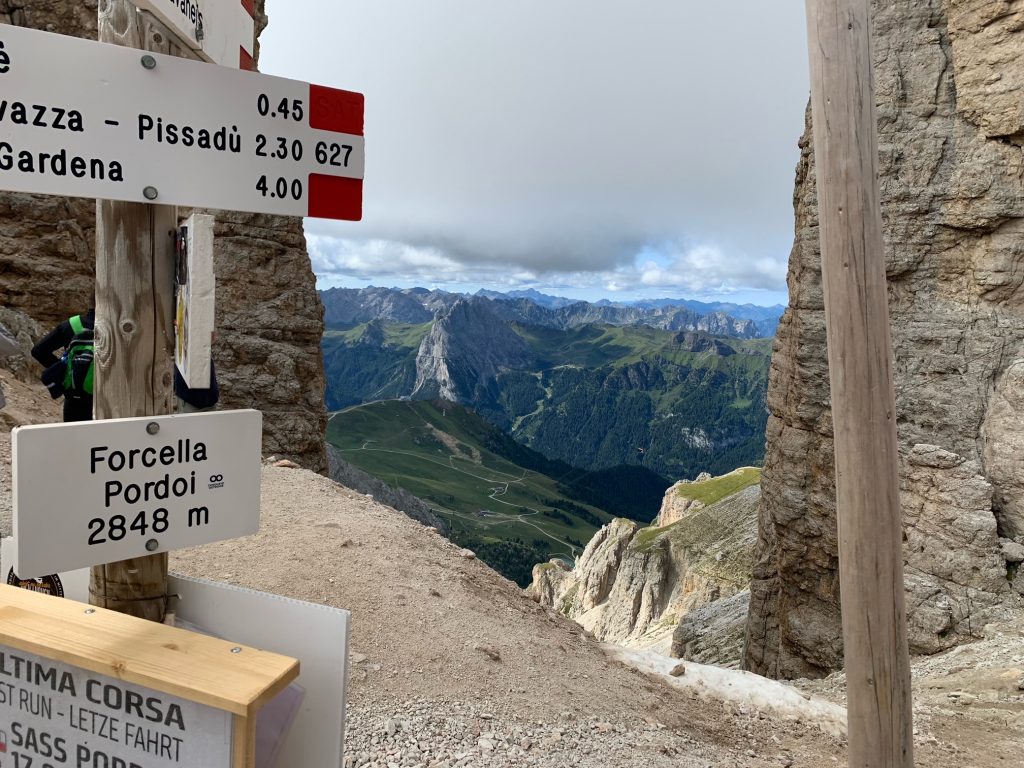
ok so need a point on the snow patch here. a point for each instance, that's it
(744, 689)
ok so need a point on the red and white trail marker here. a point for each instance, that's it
(221, 31)
(150, 128)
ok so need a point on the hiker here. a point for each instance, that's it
(69, 374)
(8, 347)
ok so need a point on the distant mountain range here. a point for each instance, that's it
(345, 307)
(565, 381)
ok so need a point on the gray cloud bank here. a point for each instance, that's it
(614, 145)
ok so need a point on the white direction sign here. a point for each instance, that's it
(95, 492)
(179, 132)
(53, 714)
(221, 31)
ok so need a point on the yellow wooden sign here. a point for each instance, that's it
(92, 688)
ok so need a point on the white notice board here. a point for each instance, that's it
(316, 635)
(194, 298)
(179, 132)
(54, 714)
(132, 487)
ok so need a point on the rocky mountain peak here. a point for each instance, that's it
(465, 350)
(697, 342)
(663, 586)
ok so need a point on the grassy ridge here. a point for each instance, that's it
(439, 452)
(597, 396)
(717, 488)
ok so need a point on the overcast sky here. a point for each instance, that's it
(586, 148)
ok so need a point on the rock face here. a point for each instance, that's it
(713, 633)
(350, 306)
(949, 79)
(634, 585)
(269, 318)
(25, 331)
(464, 352)
(674, 506)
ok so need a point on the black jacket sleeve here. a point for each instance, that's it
(45, 352)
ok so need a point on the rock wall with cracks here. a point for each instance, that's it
(678, 587)
(269, 318)
(950, 96)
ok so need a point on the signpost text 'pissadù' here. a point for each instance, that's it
(118, 125)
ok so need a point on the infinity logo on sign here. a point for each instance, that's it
(216, 481)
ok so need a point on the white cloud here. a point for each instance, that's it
(697, 271)
(555, 140)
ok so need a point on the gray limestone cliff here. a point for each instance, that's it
(949, 91)
(269, 318)
(641, 587)
(466, 349)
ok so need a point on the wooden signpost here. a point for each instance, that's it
(134, 323)
(863, 402)
(90, 685)
(94, 688)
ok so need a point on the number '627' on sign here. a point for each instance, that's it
(119, 124)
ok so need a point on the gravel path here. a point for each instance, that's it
(453, 666)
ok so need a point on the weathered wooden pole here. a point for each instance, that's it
(863, 402)
(134, 298)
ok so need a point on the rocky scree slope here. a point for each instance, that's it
(949, 82)
(452, 666)
(643, 587)
(269, 319)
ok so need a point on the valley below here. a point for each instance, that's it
(507, 503)
(592, 394)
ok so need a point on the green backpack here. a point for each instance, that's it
(78, 374)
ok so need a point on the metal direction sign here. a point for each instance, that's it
(132, 487)
(119, 124)
(221, 31)
(53, 714)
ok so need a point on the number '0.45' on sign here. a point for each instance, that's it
(179, 133)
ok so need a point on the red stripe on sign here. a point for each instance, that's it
(335, 197)
(334, 110)
(249, 6)
(245, 60)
